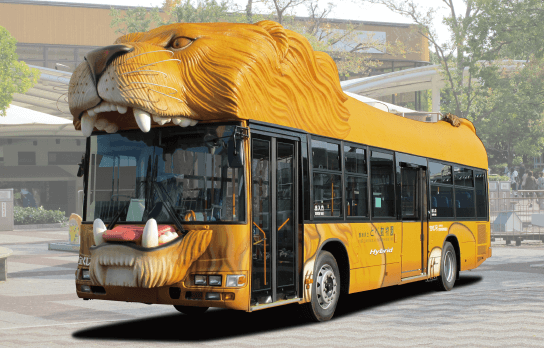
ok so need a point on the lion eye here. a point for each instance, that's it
(181, 42)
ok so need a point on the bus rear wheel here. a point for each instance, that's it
(448, 268)
(188, 310)
(325, 289)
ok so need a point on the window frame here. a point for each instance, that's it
(367, 176)
(317, 218)
(395, 216)
(453, 186)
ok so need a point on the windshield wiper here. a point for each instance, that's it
(166, 201)
(117, 216)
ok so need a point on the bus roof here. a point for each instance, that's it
(438, 140)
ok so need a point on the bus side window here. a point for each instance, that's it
(327, 179)
(481, 197)
(441, 190)
(382, 184)
(355, 169)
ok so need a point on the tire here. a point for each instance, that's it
(448, 268)
(191, 310)
(325, 289)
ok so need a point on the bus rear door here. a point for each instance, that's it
(414, 219)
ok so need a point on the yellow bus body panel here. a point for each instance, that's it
(439, 140)
(370, 270)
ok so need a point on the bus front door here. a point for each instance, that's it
(414, 223)
(274, 221)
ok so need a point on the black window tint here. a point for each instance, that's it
(409, 195)
(463, 176)
(355, 159)
(382, 180)
(481, 197)
(440, 173)
(464, 203)
(327, 195)
(356, 196)
(325, 155)
(26, 158)
(441, 201)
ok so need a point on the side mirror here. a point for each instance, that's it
(81, 169)
(236, 152)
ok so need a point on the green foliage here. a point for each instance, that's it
(30, 216)
(140, 19)
(206, 11)
(484, 84)
(498, 178)
(15, 77)
(136, 19)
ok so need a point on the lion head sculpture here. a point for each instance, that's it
(184, 73)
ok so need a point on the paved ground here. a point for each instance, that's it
(499, 304)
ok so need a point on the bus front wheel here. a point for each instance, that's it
(325, 289)
(448, 268)
(191, 310)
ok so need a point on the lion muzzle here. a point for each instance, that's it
(138, 266)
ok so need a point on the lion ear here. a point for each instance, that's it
(132, 37)
(278, 34)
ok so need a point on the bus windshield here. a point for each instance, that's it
(135, 176)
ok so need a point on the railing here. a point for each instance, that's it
(517, 215)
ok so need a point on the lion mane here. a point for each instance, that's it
(260, 72)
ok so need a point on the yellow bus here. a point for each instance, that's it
(297, 194)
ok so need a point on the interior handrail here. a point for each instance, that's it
(264, 246)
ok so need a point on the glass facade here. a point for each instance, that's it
(59, 57)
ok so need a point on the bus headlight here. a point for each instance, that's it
(215, 280)
(85, 274)
(200, 280)
(236, 280)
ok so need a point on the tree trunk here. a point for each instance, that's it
(510, 158)
(249, 12)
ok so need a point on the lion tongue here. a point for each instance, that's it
(143, 119)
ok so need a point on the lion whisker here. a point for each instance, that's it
(172, 54)
(166, 95)
(161, 61)
(153, 84)
(141, 71)
(58, 99)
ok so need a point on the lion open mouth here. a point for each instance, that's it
(152, 257)
(89, 120)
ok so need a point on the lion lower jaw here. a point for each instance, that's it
(118, 267)
(143, 119)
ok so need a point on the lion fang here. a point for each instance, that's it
(143, 119)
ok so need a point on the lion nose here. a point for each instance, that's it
(100, 58)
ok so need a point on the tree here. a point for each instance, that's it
(204, 12)
(15, 76)
(349, 46)
(482, 82)
(136, 19)
(140, 19)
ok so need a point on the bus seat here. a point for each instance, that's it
(442, 201)
(434, 203)
(216, 214)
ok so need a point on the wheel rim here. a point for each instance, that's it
(449, 266)
(326, 286)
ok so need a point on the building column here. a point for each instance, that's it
(435, 82)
